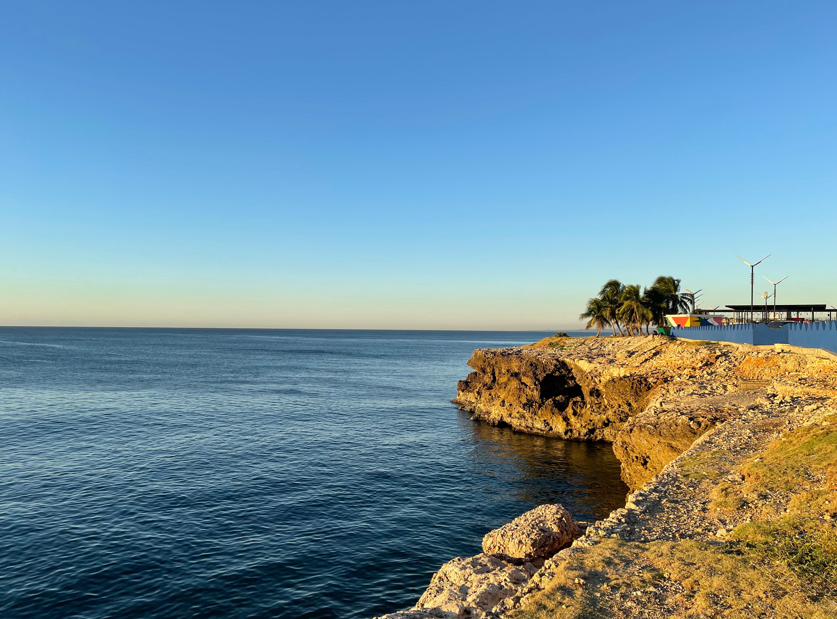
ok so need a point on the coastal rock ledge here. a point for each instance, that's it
(731, 455)
(481, 586)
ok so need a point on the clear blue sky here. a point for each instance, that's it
(408, 164)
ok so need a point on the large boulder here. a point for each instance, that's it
(537, 534)
(482, 586)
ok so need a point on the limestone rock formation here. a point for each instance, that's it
(474, 586)
(650, 396)
(477, 587)
(420, 613)
(539, 393)
(537, 534)
(653, 438)
(689, 422)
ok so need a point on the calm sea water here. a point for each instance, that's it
(241, 473)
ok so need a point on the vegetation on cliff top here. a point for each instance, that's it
(780, 562)
(633, 308)
(711, 581)
(803, 464)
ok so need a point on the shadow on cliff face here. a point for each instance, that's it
(550, 396)
(559, 387)
(532, 470)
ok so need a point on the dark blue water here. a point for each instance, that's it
(233, 473)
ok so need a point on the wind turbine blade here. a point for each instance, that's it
(774, 283)
(763, 259)
(742, 260)
(783, 279)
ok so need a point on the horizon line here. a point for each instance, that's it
(282, 328)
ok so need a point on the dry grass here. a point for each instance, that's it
(806, 546)
(733, 581)
(586, 583)
(783, 564)
(798, 457)
(674, 580)
(726, 497)
(704, 465)
(797, 464)
(803, 466)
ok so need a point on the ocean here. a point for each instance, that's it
(181, 473)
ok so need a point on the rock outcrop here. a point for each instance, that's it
(549, 395)
(475, 586)
(421, 613)
(650, 396)
(481, 586)
(657, 435)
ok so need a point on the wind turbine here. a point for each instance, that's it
(767, 295)
(774, 290)
(752, 268)
(694, 297)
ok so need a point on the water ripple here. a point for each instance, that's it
(160, 473)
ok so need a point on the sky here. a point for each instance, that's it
(408, 165)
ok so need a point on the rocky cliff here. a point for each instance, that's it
(650, 396)
(732, 454)
(540, 392)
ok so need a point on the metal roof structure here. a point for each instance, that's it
(781, 307)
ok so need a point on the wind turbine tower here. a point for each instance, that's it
(694, 297)
(774, 290)
(752, 276)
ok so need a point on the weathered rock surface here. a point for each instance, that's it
(650, 396)
(549, 395)
(685, 504)
(420, 613)
(475, 586)
(684, 417)
(483, 585)
(537, 534)
(656, 436)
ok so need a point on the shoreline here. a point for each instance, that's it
(690, 422)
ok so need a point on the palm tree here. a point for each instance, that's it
(611, 296)
(669, 288)
(618, 305)
(649, 314)
(664, 297)
(596, 315)
(655, 301)
(689, 297)
(632, 311)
